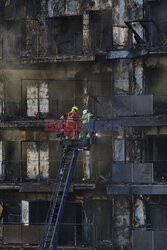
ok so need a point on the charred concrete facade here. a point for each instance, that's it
(105, 55)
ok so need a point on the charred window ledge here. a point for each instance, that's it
(40, 188)
(137, 189)
(46, 59)
(34, 246)
(134, 53)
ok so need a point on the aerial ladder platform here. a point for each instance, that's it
(59, 196)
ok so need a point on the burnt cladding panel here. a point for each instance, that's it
(142, 173)
(121, 105)
(32, 234)
(142, 240)
(12, 234)
(142, 105)
(158, 216)
(121, 172)
(160, 240)
(132, 105)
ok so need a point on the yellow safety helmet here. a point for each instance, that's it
(74, 108)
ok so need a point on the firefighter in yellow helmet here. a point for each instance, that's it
(71, 123)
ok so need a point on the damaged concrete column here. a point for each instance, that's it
(122, 72)
(85, 33)
(119, 150)
(120, 31)
(86, 162)
(121, 219)
(31, 44)
(32, 160)
(85, 94)
(138, 74)
(25, 212)
(43, 34)
(140, 212)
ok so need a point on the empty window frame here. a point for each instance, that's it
(13, 32)
(37, 98)
(42, 98)
(37, 159)
(101, 30)
(134, 150)
(157, 26)
(34, 212)
(11, 212)
(119, 150)
(156, 153)
(29, 45)
(65, 36)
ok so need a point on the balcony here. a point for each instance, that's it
(132, 173)
(31, 176)
(133, 110)
(75, 236)
(138, 178)
(38, 109)
(133, 105)
(139, 173)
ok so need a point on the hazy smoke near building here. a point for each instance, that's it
(107, 56)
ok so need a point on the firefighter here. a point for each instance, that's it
(86, 117)
(71, 125)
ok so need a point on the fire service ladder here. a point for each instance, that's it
(58, 199)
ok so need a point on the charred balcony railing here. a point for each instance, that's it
(30, 41)
(139, 173)
(46, 171)
(146, 32)
(70, 234)
(67, 46)
(41, 108)
(100, 106)
(143, 237)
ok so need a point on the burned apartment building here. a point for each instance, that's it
(105, 55)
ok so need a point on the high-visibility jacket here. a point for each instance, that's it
(86, 130)
(86, 118)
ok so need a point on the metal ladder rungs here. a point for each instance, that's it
(48, 240)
